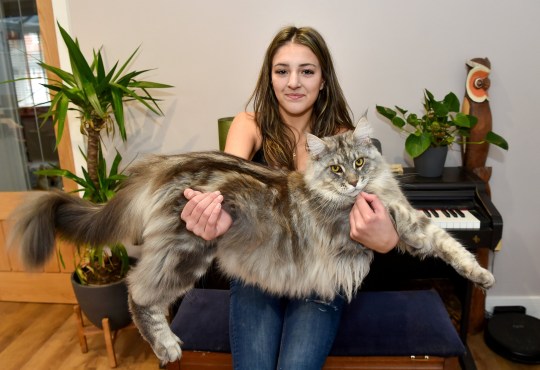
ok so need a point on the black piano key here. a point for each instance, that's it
(452, 212)
(445, 212)
(426, 212)
(434, 212)
(461, 214)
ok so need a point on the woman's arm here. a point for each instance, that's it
(202, 213)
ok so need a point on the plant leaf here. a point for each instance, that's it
(401, 110)
(417, 144)
(496, 139)
(386, 112)
(398, 122)
(452, 102)
(462, 120)
(93, 99)
(126, 64)
(118, 110)
(60, 116)
(148, 85)
(78, 62)
(137, 97)
(440, 109)
(64, 76)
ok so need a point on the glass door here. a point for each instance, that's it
(26, 145)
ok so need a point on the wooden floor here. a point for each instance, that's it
(44, 336)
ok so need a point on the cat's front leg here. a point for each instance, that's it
(420, 237)
(464, 262)
(154, 328)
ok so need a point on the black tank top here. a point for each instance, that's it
(258, 157)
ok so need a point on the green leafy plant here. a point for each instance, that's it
(99, 97)
(441, 125)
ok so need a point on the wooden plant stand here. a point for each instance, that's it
(110, 336)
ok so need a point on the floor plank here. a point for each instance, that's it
(38, 336)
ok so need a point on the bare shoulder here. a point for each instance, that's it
(245, 121)
(244, 137)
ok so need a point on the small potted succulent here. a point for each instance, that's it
(441, 125)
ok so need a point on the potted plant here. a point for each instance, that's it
(99, 97)
(441, 125)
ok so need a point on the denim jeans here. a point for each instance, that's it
(269, 332)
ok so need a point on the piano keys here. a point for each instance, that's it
(452, 218)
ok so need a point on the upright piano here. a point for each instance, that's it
(459, 202)
(457, 190)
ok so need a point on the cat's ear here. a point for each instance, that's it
(362, 131)
(315, 145)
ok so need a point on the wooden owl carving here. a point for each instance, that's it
(476, 103)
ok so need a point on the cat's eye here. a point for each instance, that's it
(359, 162)
(336, 168)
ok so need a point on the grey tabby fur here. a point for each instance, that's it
(290, 234)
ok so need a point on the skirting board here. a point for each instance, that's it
(531, 303)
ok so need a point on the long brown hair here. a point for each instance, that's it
(330, 112)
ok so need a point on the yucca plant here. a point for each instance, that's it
(99, 96)
(442, 124)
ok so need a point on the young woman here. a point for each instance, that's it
(297, 92)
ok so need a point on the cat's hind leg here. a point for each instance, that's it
(161, 276)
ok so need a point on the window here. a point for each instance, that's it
(25, 144)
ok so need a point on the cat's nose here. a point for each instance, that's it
(353, 182)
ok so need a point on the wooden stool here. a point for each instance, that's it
(110, 336)
(378, 330)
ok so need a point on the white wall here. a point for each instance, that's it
(386, 52)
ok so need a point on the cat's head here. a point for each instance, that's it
(341, 166)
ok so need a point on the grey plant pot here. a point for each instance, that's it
(431, 162)
(101, 301)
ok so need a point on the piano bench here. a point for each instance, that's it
(378, 330)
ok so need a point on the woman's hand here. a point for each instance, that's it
(203, 214)
(371, 224)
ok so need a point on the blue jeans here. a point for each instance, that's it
(269, 332)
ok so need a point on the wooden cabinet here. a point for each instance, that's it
(49, 285)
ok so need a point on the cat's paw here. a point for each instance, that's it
(484, 279)
(167, 348)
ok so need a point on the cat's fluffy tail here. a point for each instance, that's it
(50, 214)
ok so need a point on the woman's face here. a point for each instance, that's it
(296, 80)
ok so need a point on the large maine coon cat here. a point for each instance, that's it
(290, 234)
